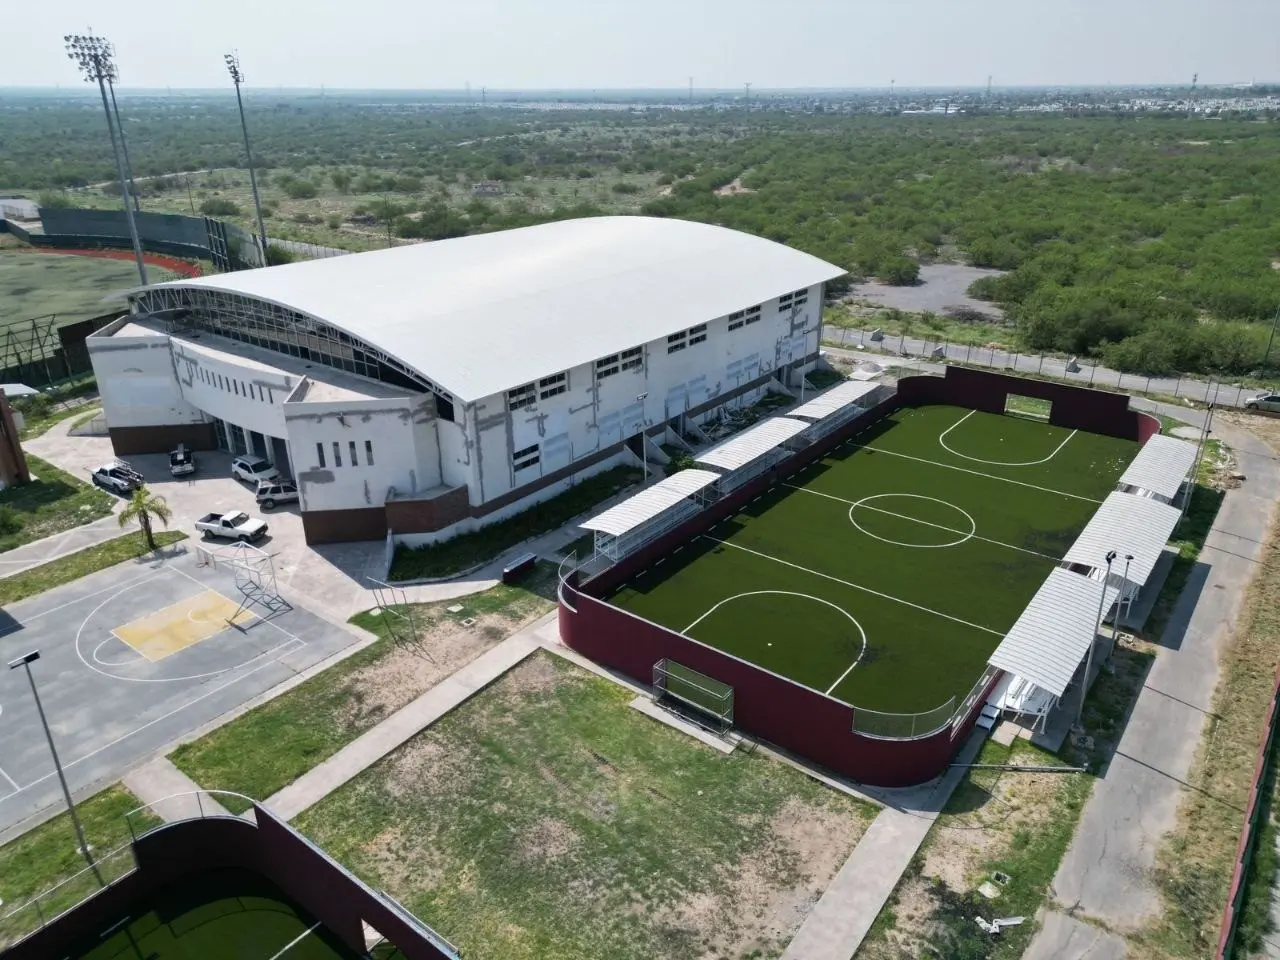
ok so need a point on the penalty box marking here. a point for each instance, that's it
(942, 442)
(181, 625)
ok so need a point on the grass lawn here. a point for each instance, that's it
(39, 284)
(885, 574)
(80, 564)
(470, 549)
(544, 818)
(52, 502)
(270, 747)
(47, 855)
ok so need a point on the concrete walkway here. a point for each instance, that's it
(1105, 875)
(407, 722)
(159, 783)
(59, 545)
(836, 926)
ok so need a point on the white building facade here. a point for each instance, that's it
(430, 389)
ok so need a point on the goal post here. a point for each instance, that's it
(695, 695)
(1033, 408)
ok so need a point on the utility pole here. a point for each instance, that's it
(747, 97)
(93, 55)
(1271, 337)
(237, 78)
(1088, 663)
(25, 662)
(482, 92)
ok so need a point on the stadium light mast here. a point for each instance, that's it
(124, 144)
(25, 662)
(237, 78)
(1088, 662)
(93, 55)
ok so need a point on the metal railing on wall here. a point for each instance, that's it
(903, 726)
(924, 352)
(42, 909)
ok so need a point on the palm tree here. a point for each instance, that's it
(144, 506)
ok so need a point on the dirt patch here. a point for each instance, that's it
(402, 861)
(548, 839)
(762, 900)
(732, 188)
(410, 669)
(423, 766)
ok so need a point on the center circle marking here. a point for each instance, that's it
(963, 538)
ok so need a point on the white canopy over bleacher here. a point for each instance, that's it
(1160, 468)
(751, 452)
(628, 525)
(1050, 639)
(834, 400)
(1131, 525)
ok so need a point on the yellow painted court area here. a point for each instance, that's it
(181, 625)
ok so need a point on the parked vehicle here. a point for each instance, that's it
(252, 469)
(271, 492)
(1264, 401)
(181, 461)
(118, 477)
(232, 526)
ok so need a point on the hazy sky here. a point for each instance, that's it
(429, 44)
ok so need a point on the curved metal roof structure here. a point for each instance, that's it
(484, 313)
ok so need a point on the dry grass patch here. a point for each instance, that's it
(545, 818)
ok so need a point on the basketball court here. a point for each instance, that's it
(135, 657)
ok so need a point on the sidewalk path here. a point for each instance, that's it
(407, 722)
(160, 783)
(1106, 873)
(836, 926)
(59, 545)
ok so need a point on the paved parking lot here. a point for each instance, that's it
(132, 658)
(330, 579)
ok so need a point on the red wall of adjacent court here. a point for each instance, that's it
(785, 713)
(270, 848)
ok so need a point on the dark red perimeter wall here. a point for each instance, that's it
(271, 848)
(778, 710)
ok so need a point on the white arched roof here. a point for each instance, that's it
(484, 313)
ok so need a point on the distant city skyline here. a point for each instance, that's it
(619, 45)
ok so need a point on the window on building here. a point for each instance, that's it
(736, 320)
(753, 314)
(351, 449)
(368, 453)
(785, 298)
(632, 358)
(553, 386)
(697, 334)
(521, 397)
(220, 382)
(525, 458)
(337, 454)
(801, 293)
(320, 454)
(677, 341)
(271, 398)
(607, 366)
(235, 387)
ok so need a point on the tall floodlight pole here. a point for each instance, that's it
(93, 56)
(1274, 320)
(25, 662)
(1088, 663)
(124, 144)
(644, 453)
(233, 67)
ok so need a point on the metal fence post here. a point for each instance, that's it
(1040, 369)
(1147, 391)
(1092, 372)
(1177, 386)
(200, 804)
(968, 349)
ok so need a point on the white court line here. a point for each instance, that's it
(296, 940)
(270, 623)
(858, 586)
(978, 473)
(152, 723)
(942, 442)
(13, 783)
(87, 596)
(973, 536)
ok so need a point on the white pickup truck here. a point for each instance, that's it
(232, 526)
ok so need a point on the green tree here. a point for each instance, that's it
(216, 207)
(341, 180)
(143, 508)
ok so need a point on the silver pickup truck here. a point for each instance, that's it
(232, 526)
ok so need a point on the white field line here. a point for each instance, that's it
(942, 442)
(973, 536)
(978, 473)
(857, 586)
(296, 940)
(13, 783)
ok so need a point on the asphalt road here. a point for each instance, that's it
(1204, 391)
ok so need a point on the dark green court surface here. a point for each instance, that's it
(222, 915)
(885, 574)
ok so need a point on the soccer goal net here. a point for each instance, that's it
(1031, 407)
(696, 696)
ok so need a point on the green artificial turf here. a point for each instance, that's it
(221, 915)
(886, 573)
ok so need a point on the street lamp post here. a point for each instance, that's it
(93, 56)
(25, 662)
(1088, 663)
(237, 78)
(1128, 603)
(644, 453)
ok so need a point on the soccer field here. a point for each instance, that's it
(885, 574)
